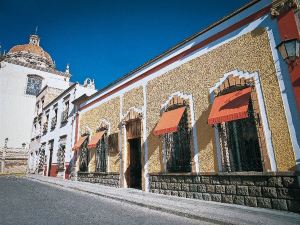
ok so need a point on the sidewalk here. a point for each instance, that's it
(213, 212)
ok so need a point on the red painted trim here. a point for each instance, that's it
(295, 79)
(207, 41)
(76, 128)
(54, 169)
(288, 26)
(288, 29)
(67, 171)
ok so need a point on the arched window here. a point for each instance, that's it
(177, 142)
(101, 153)
(34, 84)
(84, 156)
(236, 115)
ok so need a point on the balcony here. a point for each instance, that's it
(64, 116)
(53, 123)
(45, 127)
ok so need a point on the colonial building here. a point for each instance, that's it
(213, 118)
(24, 71)
(52, 130)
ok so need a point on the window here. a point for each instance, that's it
(240, 144)
(65, 113)
(45, 126)
(84, 157)
(54, 119)
(43, 102)
(101, 154)
(42, 157)
(34, 84)
(235, 114)
(61, 154)
(37, 107)
(177, 146)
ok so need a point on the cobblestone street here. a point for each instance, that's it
(27, 202)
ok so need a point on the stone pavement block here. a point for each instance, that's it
(275, 182)
(269, 192)
(216, 197)
(279, 204)
(264, 202)
(220, 189)
(250, 201)
(285, 193)
(242, 190)
(255, 191)
(239, 200)
(230, 189)
(227, 199)
(289, 182)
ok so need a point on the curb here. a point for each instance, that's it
(153, 207)
(13, 174)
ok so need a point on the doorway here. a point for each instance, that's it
(50, 162)
(135, 165)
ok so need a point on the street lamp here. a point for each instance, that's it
(289, 50)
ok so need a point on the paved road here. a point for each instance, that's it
(25, 202)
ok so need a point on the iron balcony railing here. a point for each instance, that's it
(64, 116)
(53, 122)
(45, 127)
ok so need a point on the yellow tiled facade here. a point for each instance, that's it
(250, 52)
(109, 111)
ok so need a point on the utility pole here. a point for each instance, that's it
(3, 155)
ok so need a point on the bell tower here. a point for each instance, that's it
(34, 40)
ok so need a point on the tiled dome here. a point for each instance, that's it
(31, 53)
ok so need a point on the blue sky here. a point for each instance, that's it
(106, 39)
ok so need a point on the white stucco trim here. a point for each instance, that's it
(263, 114)
(120, 144)
(132, 109)
(189, 98)
(107, 123)
(289, 102)
(145, 140)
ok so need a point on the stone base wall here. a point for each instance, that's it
(108, 179)
(15, 160)
(266, 190)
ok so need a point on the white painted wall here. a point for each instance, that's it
(17, 108)
(67, 129)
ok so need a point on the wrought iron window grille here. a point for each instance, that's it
(61, 157)
(178, 153)
(42, 158)
(102, 154)
(239, 141)
(45, 127)
(84, 157)
(53, 122)
(64, 116)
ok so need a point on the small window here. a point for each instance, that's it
(34, 84)
(43, 102)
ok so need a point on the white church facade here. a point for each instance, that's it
(24, 71)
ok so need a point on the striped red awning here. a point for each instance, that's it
(169, 121)
(79, 143)
(95, 139)
(229, 107)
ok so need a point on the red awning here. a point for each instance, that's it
(79, 143)
(232, 106)
(95, 139)
(169, 121)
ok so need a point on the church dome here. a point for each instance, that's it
(31, 53)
